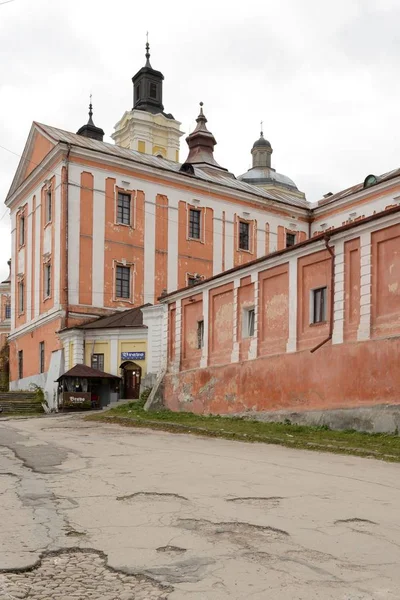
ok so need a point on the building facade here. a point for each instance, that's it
(313, 327)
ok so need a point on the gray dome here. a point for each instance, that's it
(262, 142)
(265, 176)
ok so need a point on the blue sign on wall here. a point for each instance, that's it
(133, 355)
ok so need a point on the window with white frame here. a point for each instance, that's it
(49, 205)
(200, 334)
(98, 362)
(318, 305)
(21, 296)
(47, 280)
(249, 316)
(123, 282)
(22, 229)
(124, 208)
(194, 223)
(290, 239)
(244, 235)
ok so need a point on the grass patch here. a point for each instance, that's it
(374, 445)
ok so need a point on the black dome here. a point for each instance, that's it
(262, 142)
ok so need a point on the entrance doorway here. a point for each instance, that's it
(131, 374)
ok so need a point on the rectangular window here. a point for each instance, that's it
(250, 322)
(200, 334)
(194, 223)
(319, 305)
(123, 282)
(20, 364)
(98, 362)
(153, 91)
(124, 208)
(41, 357)
(22, 230)
(191, 280)
(8, 311)
(21, 299)
(244, 235)
(47, 281)
(49, 206)
(290, 239)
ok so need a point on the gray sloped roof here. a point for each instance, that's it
(219, 178)
(132, 317)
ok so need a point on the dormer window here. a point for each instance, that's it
(370, 180)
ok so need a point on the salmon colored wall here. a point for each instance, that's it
(192, 313)
(368, 373)
(33, 278)
(221, 324)
(161, 257)
(351, 289)
(29, 344)
(281, 237)
(195, 256)
(86, 239)
(314, 271)
(273, 310)
(47, 303)
(385, 315)
(245, 301)
(41, 147)
(171, 332)
(20, 249)
(241, 257)
(123, 242)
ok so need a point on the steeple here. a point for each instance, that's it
(148, 88)
(201, 144)
(90, 130)
(261, 151)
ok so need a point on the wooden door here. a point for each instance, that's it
(132, 383)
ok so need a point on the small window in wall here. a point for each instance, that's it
(22, 230)
(49, 206)
(124, 208)
(123, 282)
(20, 364)
(191, 280)
(8, 311)
(47, 281)
(153, 91)
(249, 321)
(41, 357)
(244, 236)
(290, 239)
(318, 297)
(200, 334)
(21, 299)
(98, 362)
(138, 92)
(194, 223)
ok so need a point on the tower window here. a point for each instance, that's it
(318, 308)
(137, 92)
(22, 230)
(8, 311)
(194, 223)
(123, 282)
(244, 235)
(153, 91)
(290, 239)
(124, 209)
(47, 281)
(49, 206)
(41, 357)
(20, 364)
(21, 299)
(200, 334)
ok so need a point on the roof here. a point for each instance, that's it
(133, 317)
(265, 175)
(218, 177)
(87, 373)
(357, 188)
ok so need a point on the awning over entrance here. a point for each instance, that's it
(87, 373)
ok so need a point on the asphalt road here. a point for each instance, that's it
(105, 512)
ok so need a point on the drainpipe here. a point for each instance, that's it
(331, 316)
(66, 280)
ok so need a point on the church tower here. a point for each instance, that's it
(147, 128)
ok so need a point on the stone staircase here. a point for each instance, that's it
(19, 402)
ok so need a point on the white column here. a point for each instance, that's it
(173, 234)
(364, 329)
(178, 335)
(149, 246)
(254, 341)
(235, 351)
(37, 257)
(79, 351)
(204, 353)
(29, 258)
(229, 241)
(217, 242)
(338, 308)
(292, 339)
(66, 344)
(99, 222)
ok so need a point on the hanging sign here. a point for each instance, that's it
(133, 355)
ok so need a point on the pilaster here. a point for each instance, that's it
(235, 350)
(292, 339)
(254, 340)
(338, 307)
(364, 329)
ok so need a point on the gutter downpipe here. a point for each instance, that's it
(332, 312)
(66, 282)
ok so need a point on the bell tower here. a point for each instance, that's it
(147, 128)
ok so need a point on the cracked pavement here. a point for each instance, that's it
(92, 510)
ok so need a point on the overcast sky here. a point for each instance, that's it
(323, 76)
